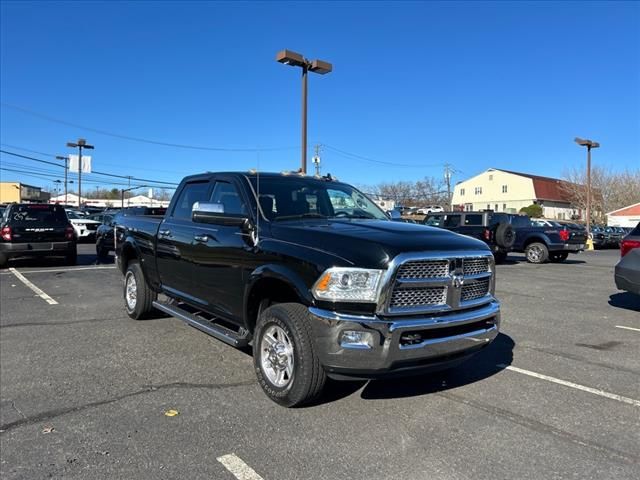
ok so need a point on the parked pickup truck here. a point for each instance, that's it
(540, 240)
(313, 275)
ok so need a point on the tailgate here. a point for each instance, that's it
(22, 234)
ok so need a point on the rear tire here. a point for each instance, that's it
(284, 359)
(536, 253)
(101, 252)
(138, 297)
(557, 257)
(71, 258)
(3, 260)
(499, 257)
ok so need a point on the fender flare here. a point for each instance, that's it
(277, 272)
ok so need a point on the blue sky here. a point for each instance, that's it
(475, 84)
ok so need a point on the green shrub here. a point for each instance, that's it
(534, 211)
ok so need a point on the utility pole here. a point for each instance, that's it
(80, 144)
(316, 159)
(447, 178)
(66, 170)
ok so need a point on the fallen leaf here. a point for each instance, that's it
(171, 413)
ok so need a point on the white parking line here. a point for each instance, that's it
(37, 291)
(628, 328)
(240, 470)
(595, 391)
(71, 269)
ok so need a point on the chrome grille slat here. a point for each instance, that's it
(410, 297)
(424, 269)
(475, 290)
(473, 266)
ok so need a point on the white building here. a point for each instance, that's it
(624, 217)
(137, 201)
(507, 191)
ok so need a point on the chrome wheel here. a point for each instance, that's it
(276, 356)
(534, 254)
(130, 291)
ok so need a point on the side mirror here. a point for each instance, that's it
(213, 213)
(395, 215)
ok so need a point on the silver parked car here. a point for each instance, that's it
(627, 272)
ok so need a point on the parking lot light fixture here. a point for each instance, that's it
(589, 144)
(294, 59)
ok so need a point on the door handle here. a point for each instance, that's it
(204, 238)
(164, 233)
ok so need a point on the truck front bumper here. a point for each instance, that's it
(397, 345)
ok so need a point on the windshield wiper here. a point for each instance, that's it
(300, 215)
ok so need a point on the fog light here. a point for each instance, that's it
(355, 339)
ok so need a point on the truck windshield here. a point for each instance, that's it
(288, 198)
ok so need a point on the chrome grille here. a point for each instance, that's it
(424, 269)
(411, 297)
(474, 290)
(473, 266)
(424, 284)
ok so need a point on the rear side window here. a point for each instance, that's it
(433, 220)
(37, 214)
(636, 231)
(191, 193)
(473, 219)
(452, 221)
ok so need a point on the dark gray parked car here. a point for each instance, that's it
(627, 273)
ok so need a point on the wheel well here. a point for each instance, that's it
(534, 240)
(128, 253)
(266, 292)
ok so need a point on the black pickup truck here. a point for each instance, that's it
(313, 275)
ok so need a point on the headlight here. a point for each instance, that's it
(340, 284)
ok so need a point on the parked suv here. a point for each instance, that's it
(492, 228)
(36, 230)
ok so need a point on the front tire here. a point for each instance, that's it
(138, 297)
(536, 253)
(284, 359)
(499, 256)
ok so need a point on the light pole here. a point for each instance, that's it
(589, 144)
(128, 190)
(80, 144)
(57, 186)
(66, 169)
(317, 66)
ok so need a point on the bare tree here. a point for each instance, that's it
(610, 190)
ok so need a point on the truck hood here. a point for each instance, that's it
(370, 243)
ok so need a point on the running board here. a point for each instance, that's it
(235, 339)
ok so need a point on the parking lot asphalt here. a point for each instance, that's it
(84, 391)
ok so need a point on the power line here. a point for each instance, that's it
(102, 163)
(51, 176)
(93, 172)
(372, 160)
(139, 139)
